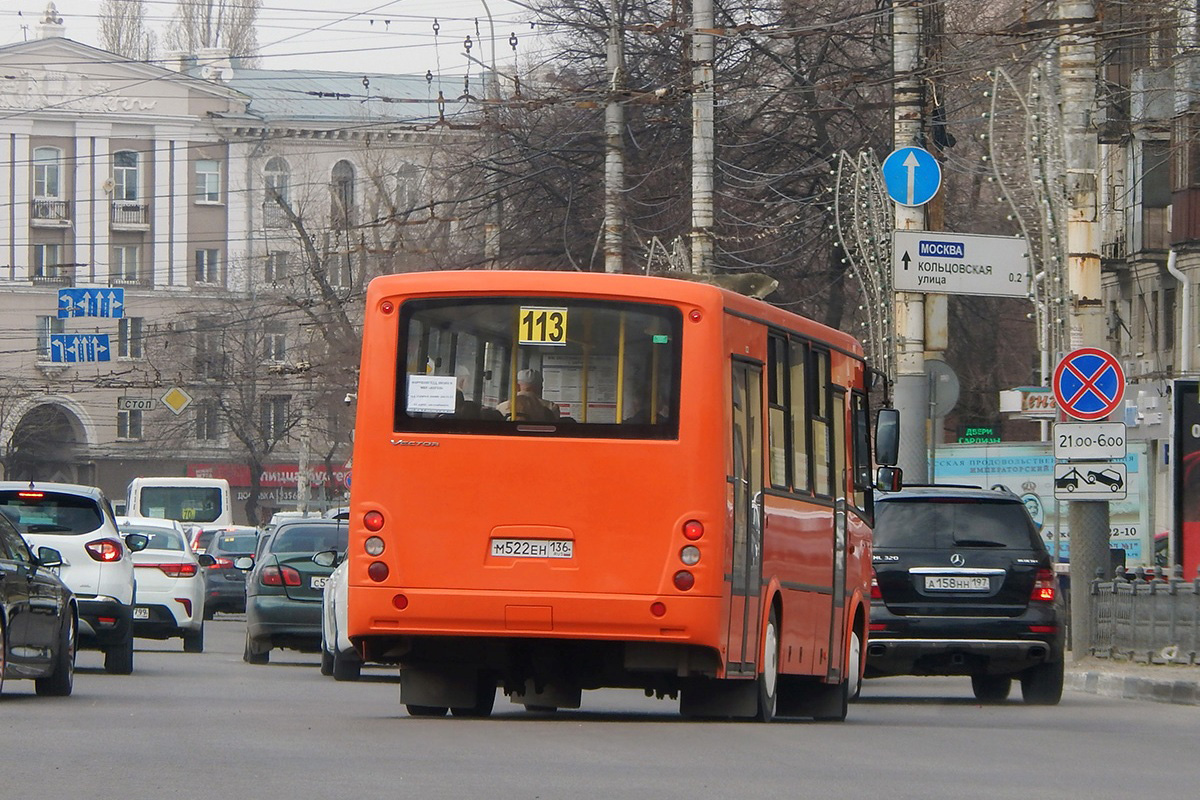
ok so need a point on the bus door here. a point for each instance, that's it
(746, 493)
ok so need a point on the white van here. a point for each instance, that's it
(192, 501)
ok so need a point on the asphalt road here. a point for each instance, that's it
(208, 725)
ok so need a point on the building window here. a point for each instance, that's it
(208, 181)
(47, 173)
(207, 267)
(210, 360)
(129, 424)
(275, 341)
(208, 422)
(276, 177)
(275, 416)
(125, 175)
(129, 337)
(47, 325)
(46, 260)
(125, 260)
(408, 178)
(341, 206)
(277, 266)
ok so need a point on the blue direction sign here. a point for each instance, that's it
(104, 302)
(912, 176)
(1089, 384)
(73, 347)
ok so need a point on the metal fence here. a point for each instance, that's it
(1143, 615)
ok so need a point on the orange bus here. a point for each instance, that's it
(567, 481)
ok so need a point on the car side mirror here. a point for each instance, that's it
(137, 542)
(887, 437)
(889, 479)
(49, 557)
(325, 558)
(206, 560)
(244, 563)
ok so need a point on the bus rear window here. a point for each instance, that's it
(183, 503)
(539, 366)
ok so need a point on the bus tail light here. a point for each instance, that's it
(279, 576)
(104, 550)
(658, 608)
(378, 571)
(400, 602)
(684, 580)
(693, 530)
(690, 555)
(374, 546)
(1043, 587)
(373, 520)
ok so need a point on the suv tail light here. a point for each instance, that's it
(1043, 587)
(104, 550)
(875, 593)
(279, 576)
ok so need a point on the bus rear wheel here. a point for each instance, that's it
(425, 711)
(768, 679)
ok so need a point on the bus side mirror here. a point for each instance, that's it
(889, 479)
(887, 437)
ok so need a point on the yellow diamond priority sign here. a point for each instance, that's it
(176, 399)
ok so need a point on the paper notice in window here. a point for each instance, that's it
(430, 394)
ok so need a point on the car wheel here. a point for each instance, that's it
(534, 708)
(118, 658)
(193, 641)
(854, 666)
(255, 654)
(768, 679)
(1042, 685)
(60, 682)
(991, 688)
(3, 650)
(425, 711)
(326, 661)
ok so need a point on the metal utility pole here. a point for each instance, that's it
(703, 49)
(614, 147)
(912, 385)
(1077, 67)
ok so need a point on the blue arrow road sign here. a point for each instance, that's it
(103, 302)
(912, 176)
(74, 347)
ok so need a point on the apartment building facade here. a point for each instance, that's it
(165, 239)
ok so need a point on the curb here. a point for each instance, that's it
(1134, 687)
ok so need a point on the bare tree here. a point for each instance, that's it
(205, 24)
(123, 29)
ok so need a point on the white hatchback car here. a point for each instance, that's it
(170, 583)
(97, 561)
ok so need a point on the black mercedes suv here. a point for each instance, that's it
(964, 586)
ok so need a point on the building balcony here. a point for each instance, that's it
(49, 212)
(273, 216)
(129, 215)
(56, 275)
(129, 280)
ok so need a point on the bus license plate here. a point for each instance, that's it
(956, 583)
(533, 548)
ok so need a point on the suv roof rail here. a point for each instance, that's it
(908, 485)
(1000, 487)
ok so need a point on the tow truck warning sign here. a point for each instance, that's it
(957, 263)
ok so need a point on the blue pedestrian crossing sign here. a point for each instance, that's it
(105, 302)
(74, 347)
(912, 176)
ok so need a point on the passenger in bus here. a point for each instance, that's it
(530, 407)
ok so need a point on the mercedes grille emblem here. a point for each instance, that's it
(957, 560)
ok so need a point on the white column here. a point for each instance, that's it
(7, 230)
(90, 203)
(22, 158)
(238, 202)
(181, 197)
(168, 141)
